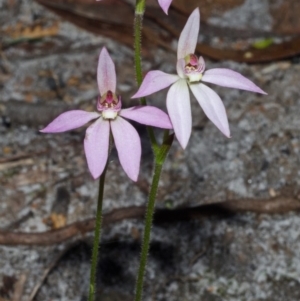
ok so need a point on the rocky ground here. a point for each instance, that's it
(44, 182)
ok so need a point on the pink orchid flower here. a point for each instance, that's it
(110, 118)
(191, 73)
(164, 4)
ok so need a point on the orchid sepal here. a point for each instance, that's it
(155, 81)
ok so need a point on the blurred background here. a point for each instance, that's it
(227, 224)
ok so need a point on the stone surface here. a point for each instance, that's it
(246, 257)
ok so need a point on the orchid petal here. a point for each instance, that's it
(155, 81)
(189, 36)
(179, 109)
(96, 144)
(148, 115)
(106, 74)
(165, 4)
(180, 68)
(212, 106)
(69, 120)
(231, 79)
(128, 145)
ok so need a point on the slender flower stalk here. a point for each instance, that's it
(160, 152)
(138, 25)
(147, 232)
(97, 235)
(158, 166)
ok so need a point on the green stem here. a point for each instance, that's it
(160, 152)
(97, 237)
(138, 24)
(140, 6)
(147, 232)
(159, 162)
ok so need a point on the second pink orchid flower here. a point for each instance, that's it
(191, 73)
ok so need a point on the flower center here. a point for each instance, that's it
(194, 67)
(110, 105)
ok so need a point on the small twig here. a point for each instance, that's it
(277, 205)
(76, 229)
(19, 288)
(18, 222)
(96, 21)
(48, 270)
(197, 256)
